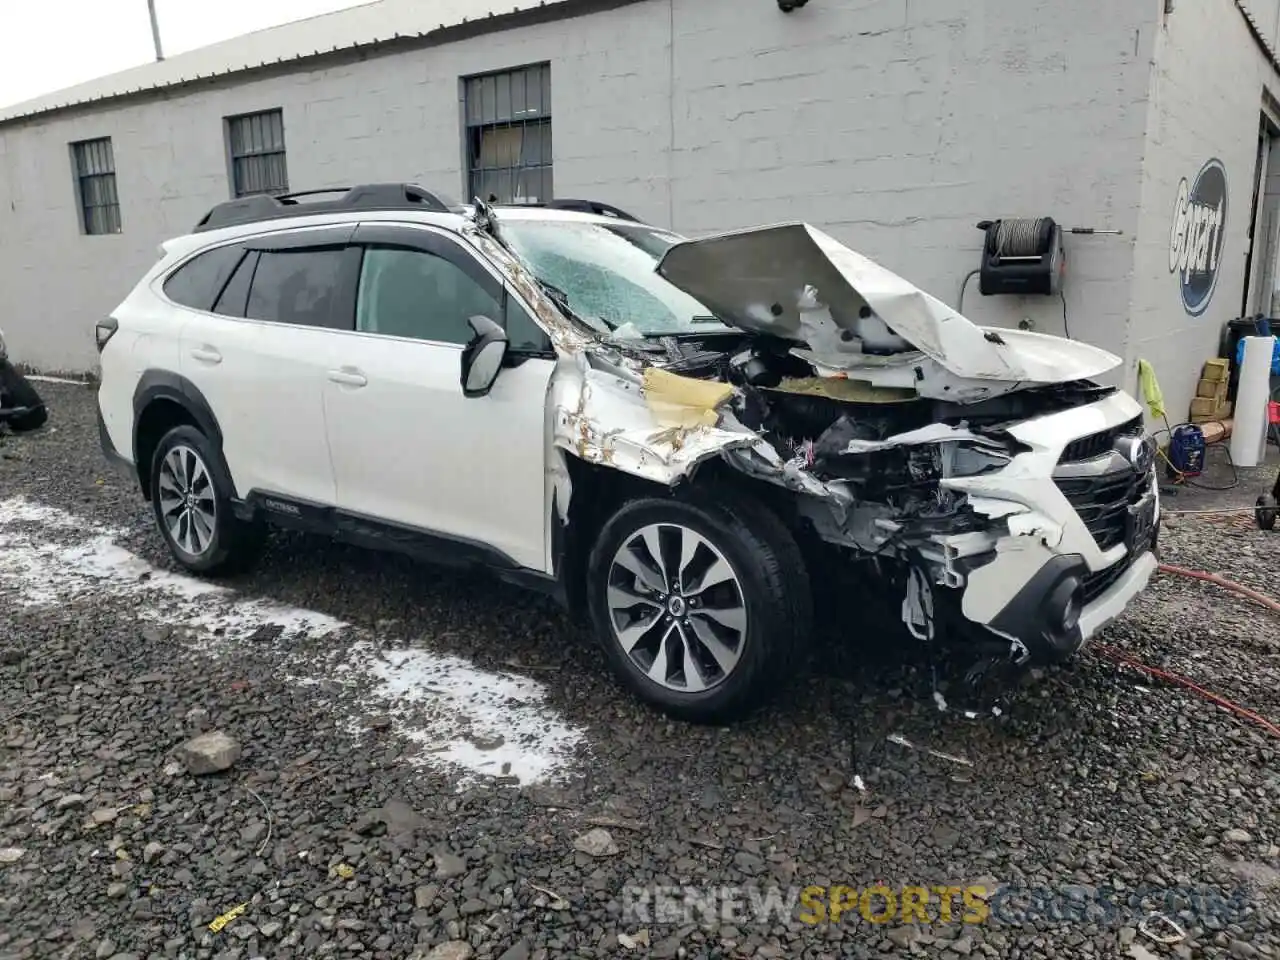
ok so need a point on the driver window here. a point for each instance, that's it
(412, 293)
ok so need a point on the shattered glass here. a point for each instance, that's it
(606, 273)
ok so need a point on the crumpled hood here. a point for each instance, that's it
(782, 280)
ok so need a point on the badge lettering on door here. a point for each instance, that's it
(1197, 235)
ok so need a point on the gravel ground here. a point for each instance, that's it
(461, 815)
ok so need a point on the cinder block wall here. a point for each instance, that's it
(1204, 103)
(898, 126)
(894, 125)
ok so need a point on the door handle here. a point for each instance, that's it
(348, 377)
(206, 354)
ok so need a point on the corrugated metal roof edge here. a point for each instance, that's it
(450, 33)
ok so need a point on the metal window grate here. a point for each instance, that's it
(95, 167)
(508, 132)
(256, 142)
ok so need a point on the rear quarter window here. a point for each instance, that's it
(198, 282)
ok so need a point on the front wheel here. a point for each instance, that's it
(191, 496)
(700, 604)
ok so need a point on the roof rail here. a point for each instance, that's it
(369, 196)
(591, 206)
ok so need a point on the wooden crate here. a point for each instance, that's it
(1215, 389)
(1203, 407)
(1215, 369)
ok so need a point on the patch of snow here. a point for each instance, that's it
(503, 712)
(45, 378)
(468, 720)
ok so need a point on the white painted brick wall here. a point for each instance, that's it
(894, 124)
(1204, 103)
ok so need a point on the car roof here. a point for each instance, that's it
(454, 221)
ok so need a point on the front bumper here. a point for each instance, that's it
(1081, 518)
(1114, 600)
(1030, 619)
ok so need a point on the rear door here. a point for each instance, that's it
(407, 446)
(261, 354)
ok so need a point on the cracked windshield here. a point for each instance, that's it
(606, 275)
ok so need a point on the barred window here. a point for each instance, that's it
(508, 131)
(95, 167)
(256, 142)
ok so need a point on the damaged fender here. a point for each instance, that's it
(600, 415)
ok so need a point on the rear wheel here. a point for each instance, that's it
(700, 605)
(191, 496)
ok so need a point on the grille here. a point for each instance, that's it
(1099, 582)
(1103, 502)
(1096, 444)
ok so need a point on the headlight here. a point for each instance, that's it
(955, 458)
(975, 459)
(895, 465)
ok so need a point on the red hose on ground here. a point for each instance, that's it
(1223, 582)
(1111, 653)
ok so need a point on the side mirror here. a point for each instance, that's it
(482, 358)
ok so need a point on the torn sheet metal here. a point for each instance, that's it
(933, 433)
(762, 461)
(772, 280)
(601, 416)
(845, 390)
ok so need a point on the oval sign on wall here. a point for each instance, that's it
(1196, 238)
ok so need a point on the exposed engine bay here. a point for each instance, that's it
(887, 447)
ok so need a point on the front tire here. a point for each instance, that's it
(191, 497)
(701, 606)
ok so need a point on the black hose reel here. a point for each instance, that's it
(1021, 256)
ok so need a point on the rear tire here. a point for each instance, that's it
(701, 605)
(191, 497)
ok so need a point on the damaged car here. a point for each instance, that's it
(676, 438)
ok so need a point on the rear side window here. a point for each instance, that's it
(296, 286)
(199, 281)
(235, 294)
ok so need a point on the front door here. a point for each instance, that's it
(408, 448)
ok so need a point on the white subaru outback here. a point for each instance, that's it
(675, 437)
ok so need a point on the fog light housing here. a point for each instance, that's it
(1063, 606)
(1071, 616)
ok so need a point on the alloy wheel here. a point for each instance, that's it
(677, 607)
(188, 508)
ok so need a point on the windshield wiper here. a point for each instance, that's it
(561, 300)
